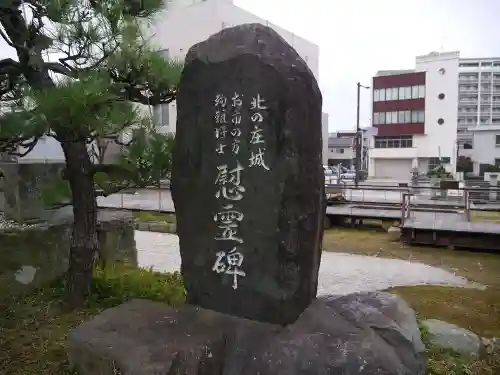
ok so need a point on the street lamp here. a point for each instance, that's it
(358, 138)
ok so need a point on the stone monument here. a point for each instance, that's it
(248, 193)
(248, 177)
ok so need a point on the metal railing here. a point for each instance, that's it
(151, 199)
(429, 199)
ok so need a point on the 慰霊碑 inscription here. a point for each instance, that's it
(228, 181)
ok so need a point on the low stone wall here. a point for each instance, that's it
(22, 188)
(31, 255)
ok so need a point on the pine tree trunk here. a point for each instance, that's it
(84, 242)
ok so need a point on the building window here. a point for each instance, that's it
(395, 93)
(421, 91)
(497, 140)
(497, 162)
(161, 115)
(341, 150)
(401, 117)
(399, 93)
(388, 94)
(417, 117)
(414, 92)
(408, 92)
(403, 141)
(467, 146)
(398, 117)
(407, 117)
(433, 163)
(402, 93)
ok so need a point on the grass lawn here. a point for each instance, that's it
(148, 216)
(477, 310)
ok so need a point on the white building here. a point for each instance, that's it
(479, 111)
(415, 113)
(341, 149)
(187, 22)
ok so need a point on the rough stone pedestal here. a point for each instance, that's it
(248, 177)
(373, 333)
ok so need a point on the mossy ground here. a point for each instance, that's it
(33, 327)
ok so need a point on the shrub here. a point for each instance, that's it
(116, 284)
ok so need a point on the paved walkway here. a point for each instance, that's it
(339, 274)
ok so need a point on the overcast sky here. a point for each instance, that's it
(359, 37)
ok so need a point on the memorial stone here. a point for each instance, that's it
(248, 176)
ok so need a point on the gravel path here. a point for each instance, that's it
(339, 274)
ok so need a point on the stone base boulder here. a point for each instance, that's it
(369, 333)
(32, 255)
(450, 336)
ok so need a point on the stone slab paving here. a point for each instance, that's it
(340, 274)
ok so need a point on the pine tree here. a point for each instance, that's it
(82, 72)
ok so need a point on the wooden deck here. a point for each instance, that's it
(455, 222)
(420, 220)
(349, 210)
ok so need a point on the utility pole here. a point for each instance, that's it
(357, 138)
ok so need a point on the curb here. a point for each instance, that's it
(156, 226)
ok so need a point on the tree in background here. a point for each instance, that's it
(81, 68)
(465, 164)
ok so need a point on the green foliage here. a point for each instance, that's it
(55, 192)
(491, 168)
(78, 108)
(465, 164)
(112, 178)
(439, 172)
(119, 283)
(149, 157)
(115, 285)
(148, 69)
